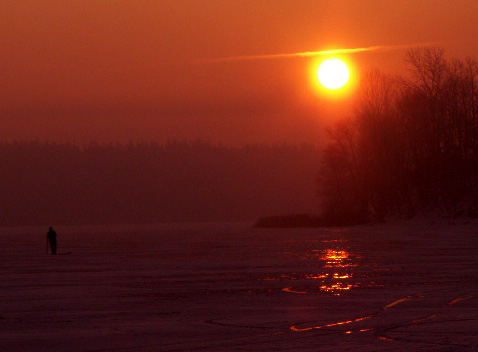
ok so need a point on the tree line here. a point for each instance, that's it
(63, 183)
(411, 147)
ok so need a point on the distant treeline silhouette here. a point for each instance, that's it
(412, 146)
(61, 183)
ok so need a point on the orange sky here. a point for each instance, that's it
(119, 70)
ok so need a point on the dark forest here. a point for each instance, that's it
(61, 183)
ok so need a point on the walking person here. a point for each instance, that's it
(51, 240)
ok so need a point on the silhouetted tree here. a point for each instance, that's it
(415, 142)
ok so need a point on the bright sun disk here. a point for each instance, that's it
(333, 73)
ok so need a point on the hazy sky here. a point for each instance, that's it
(110, 70)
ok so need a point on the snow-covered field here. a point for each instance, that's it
(227, 287)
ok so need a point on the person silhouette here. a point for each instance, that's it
(51, 238)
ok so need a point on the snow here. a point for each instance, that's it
(403, 286)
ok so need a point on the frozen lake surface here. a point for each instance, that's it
(227, 287)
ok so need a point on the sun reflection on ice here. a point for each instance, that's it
(336, 269)
(337, 259)
(335, 288)
(338, 276)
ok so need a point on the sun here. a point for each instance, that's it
(333, 73)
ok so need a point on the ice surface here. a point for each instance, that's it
(409, 286)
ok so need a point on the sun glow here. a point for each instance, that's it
(333, 73)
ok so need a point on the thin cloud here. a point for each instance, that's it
(313, 53)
